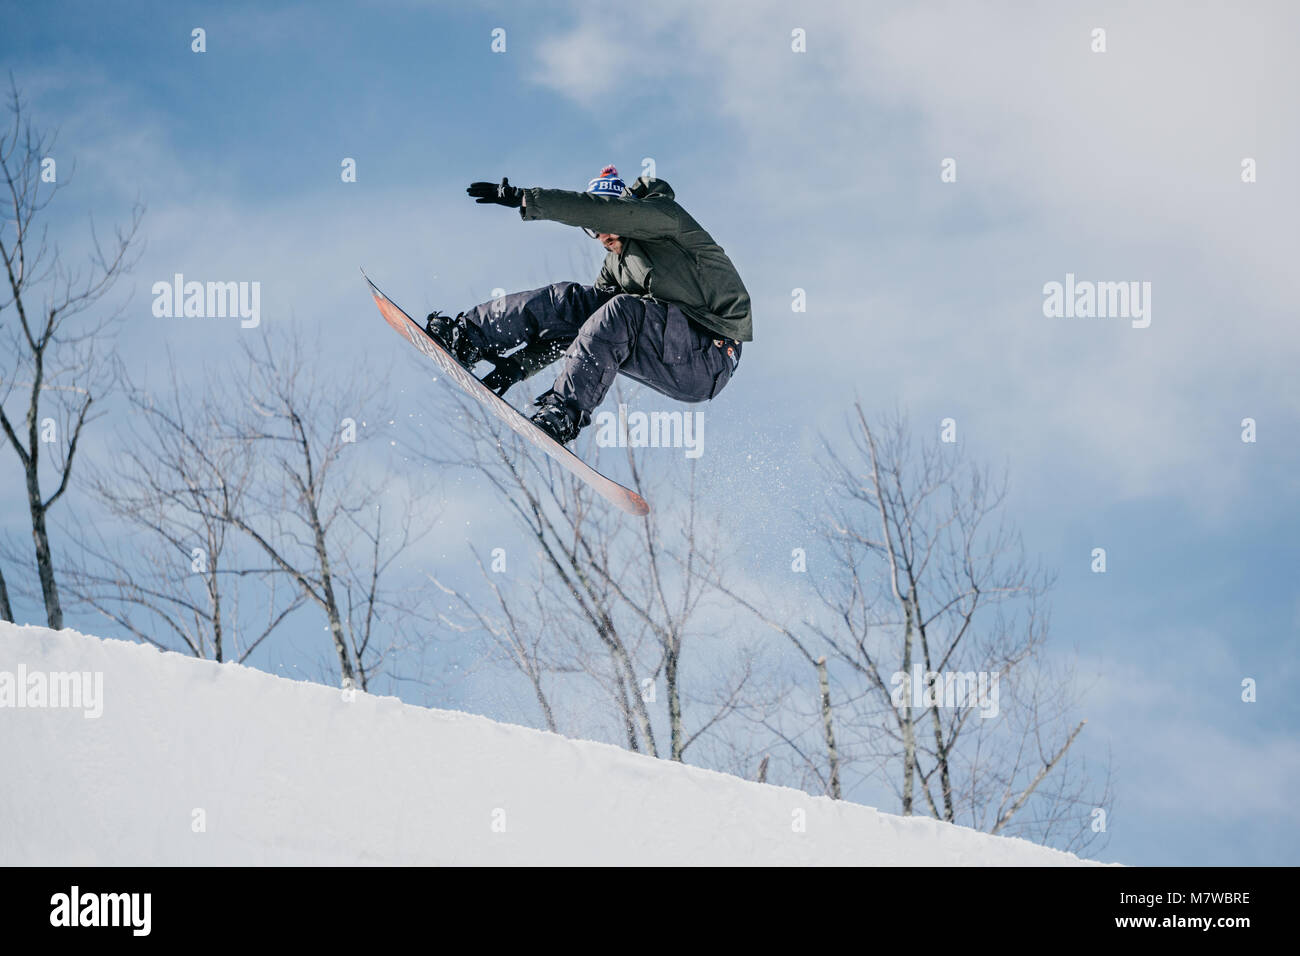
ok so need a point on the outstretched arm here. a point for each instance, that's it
(620, 216)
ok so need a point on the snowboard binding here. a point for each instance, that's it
(560, 419)
(453, 335)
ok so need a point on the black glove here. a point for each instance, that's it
(503, 195)
(506, 373)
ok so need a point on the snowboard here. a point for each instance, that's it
(623, 498)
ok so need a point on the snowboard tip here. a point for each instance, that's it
(374, 289)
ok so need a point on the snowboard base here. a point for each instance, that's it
(623, 498)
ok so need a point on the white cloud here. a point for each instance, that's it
(1122, 165)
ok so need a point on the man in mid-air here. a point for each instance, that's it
(668, 309)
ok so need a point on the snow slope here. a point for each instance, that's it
(192, 762)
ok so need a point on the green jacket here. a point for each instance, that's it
(666, 256)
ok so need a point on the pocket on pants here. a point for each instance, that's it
(678, 339)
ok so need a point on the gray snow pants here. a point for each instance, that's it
(605, 334)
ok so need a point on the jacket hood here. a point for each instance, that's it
(645, 187)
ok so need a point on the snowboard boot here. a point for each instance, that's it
(560, 419)
(453, 336)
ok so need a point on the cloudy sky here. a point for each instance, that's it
(817, 170)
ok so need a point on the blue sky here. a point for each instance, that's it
(817, 171)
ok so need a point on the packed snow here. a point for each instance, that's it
(118, 754)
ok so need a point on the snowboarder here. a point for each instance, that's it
(668, 308)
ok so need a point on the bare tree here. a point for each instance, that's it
(242, 497)
(172, 574)
(828, 777)
(315, 498)
(518, 637)
(559, 514)
(928, 594)
(828, 726)
(939, 618)
(51, 355)
(618, 595)
(369, 598)
(662, 585)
